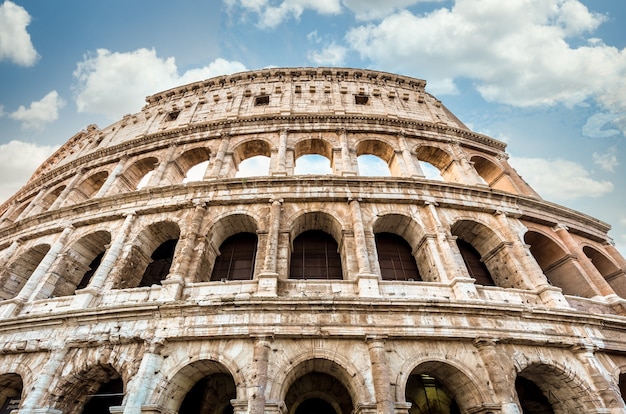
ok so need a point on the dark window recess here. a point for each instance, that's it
(262, 100)
(315, 256)
(172, 115)
(236, 259)
(315, 405)
(531, 398)
(93, 266)
(109, 394)
(361, 99)
(395, 259)
(475, 266)
(158, 269)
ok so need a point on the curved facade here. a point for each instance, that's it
(444, 284)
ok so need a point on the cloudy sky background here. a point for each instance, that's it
(548, 77)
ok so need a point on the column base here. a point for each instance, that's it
(268, 285)
(367, 285)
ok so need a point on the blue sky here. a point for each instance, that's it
(548, 77)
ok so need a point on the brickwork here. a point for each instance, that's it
(107, 256)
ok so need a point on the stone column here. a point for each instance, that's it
(62, 198)
(594, 277)
(462, 284)
(143, 383)
(159, 172)
(112, 254)
(380, 374)
(268, 278)
(526, 266)
(29, 290)
(35, 201)
(279, 164)
(413, 168)
(366, 280)
(8, 253)
(219, 158)
(501, 374)
(601, 378)
(42, 382)
(172, 286)
(346, 156)
(260, 356)
(9, 211)
(112, 177)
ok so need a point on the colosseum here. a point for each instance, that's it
(413, 272)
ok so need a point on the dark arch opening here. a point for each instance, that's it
(210, 395)
(236, 259)
(159, 267)
(109, 394)
(474, 264)
(315, 256)
(315, 406)
(531, 398)
(10, 392)
(93, 266)
(395, 258)
(428, 396)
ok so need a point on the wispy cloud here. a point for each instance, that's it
(15, 43)
(39, 112)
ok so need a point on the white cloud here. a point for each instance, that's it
(607, 161)
(515, 51)
(15, 43)
(114, 83)
(332, 55)
(560, 180)
(271, 16)
(376, 9)
(599, 125)
(18, 161)
(40, 112)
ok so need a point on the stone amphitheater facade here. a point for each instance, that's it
(127, 289)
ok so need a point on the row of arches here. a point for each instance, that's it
(317, 247)
(319, 385)
(261, 157)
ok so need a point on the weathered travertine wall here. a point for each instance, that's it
(93, 302)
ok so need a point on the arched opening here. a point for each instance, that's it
(210, 395)
(189, 166)
(315, 255)
(492, 175)
(435, 163)
(313, 156)
(79, 264)
(252, 158)
(395, 258)
(319, 383)
(160, 263)
(557, 265)
(436, 387)
(92, 391)
(10, 392)
(428, 396)
(46, 201)
(134, 177)
(430, 171)
(109, 394)
(622, 385)
(256, 166)
(14, 277)
(531, 397)
(202, 387)
(236, 259)
(609, 270)
(376, 158)
(372, 165)
(475, 266)
(150, 257)
(481, 248)
(88, 187)
(546, 389)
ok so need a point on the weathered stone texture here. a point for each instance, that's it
(119, 276)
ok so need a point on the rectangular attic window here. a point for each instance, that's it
(262, 100)
(172, 115)
(361, 99)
